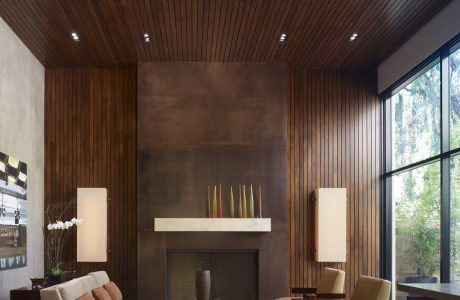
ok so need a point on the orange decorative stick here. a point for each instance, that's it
(214, 203)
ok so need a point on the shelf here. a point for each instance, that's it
(212, 225)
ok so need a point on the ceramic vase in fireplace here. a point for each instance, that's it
(203, 284)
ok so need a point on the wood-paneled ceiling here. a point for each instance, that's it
(216, 30)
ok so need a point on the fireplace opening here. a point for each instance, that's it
(234, 274)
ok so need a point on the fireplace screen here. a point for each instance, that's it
(233, 274)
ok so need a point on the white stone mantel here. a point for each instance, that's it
(212, 224)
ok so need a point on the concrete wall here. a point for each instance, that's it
(443, 27)
(21, 135)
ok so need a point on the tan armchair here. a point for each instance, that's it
(331, 282)
(371, 288)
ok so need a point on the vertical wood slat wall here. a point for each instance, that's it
(334, 138)
(90, 141)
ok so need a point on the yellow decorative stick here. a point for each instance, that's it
(245, 205)
(251, 204)
(240, 204)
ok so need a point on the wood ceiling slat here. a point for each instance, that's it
(266, 36)
(143, 28)
(236, 30)
(343, 39)
(326, 30)
(366, 23)
(274, 44)
(122, 30)
(22, 32)
(249, 32)
(191, 29)
(296, 36)
(164, 23)
(408, 30)
(259, 24)
(150, 28)
(225, 9)
(323, 18)
(199, 30)
(218, 30)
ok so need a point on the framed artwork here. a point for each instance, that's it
(13, 212)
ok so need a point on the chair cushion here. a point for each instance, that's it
(86, 296)
(101, 294)
(332, 282)
(72, 290)
(113, 291)
(50, 293)
(89, 282)
(101, 277)
(371, 288)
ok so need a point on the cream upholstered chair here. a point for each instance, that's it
(331, 282)
(369, 288)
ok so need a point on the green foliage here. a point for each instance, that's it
(416, 136)
(419, 221)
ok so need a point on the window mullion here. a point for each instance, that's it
(445, 173)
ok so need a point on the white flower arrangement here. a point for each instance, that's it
(56, 237)
(59, 225)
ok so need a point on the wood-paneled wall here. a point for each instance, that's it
(90, 141)
(334, 125)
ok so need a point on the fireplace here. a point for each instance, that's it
(234, 274)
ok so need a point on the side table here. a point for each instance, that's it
(25, 293)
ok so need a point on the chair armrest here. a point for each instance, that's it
(332, 296)
(303, 290)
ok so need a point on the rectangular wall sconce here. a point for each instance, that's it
(331, 224)
(92, 235)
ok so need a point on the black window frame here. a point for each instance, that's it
(439, 56)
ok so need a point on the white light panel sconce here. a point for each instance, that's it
(92, 234)
(331, 225)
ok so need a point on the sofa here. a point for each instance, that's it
(75, 288)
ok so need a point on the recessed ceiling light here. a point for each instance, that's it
(75, 37)
(146, 37)
(282, 37)
(353, 37)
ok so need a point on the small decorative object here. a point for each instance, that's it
(214, 203)
(251, 204)
(220, 208)
(208, 203)
(203, 284)
(245, 204)
(310, 296)
(232, 203)
(240, 204)
(58, 234)
(259, 204)
(38, 282)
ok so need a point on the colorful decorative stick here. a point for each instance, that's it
(245, 204)
(214, 203)
(260, 202)
(208, 203)
(232, 203)
(251, 204)
(240, 204)
(220, 209)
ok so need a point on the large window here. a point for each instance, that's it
(421, 199)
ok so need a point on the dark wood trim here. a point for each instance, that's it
(90, 141)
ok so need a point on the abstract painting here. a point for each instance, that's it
(13, 212)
